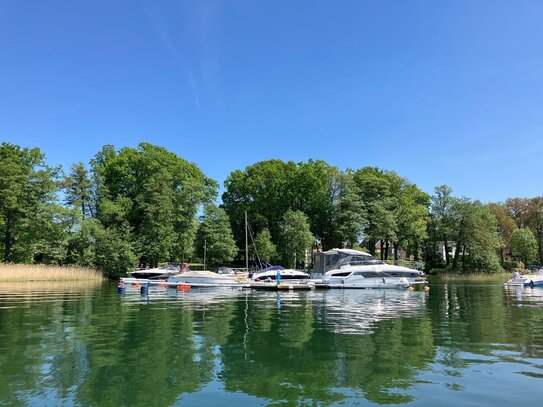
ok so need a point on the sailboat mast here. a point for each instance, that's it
(246, 245)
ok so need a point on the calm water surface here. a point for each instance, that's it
(85, 345)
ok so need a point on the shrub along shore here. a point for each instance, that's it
(38, 272)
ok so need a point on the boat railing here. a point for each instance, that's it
(412, 264)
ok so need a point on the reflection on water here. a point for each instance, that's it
(358, 311)
(86, 345)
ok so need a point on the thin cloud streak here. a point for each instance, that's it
(161, 30)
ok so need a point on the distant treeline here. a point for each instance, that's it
(143, 206)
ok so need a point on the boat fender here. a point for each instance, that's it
(121, 288)
(532, 283)
(426, 288)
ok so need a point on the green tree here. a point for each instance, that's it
(153, 196)
(313, 190)
(477, 239)
(268, 189)
(114, 252)
(524, 244)
(377, 189)
(443, 220)
(263, 191)
(267, 251)
(505, 226)
(27, 187)
(81, 243)
(351, 215)
(56, 224)
(412, 220)
(535, 223)
(79, 190)
(215, 235)
(296, 238)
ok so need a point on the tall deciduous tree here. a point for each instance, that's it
(268, 189)
(377, 189)
(267, 250)
(154, 196)
(351, 215)
(535, 223)
(524, 244)
(505, 226)
(476, 238)
(411, 219)
(79, 190)
(443, 219)
(296, 237)
(27, 187)
(215, 237)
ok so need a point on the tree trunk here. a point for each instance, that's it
(8, 238)
(381, 250)
(434, 247)
(447, 257)
(386, 249)
(396, 247)
(371, 248)
(455, 258)
(464, 259)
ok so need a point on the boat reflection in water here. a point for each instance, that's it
(342, 311)
(357, 311)
(525, 296)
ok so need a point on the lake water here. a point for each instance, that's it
(86, 345)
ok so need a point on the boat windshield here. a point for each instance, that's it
(357, 259)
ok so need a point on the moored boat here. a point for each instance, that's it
(525, 280)
(203, 278)
(346, 268)
(270, 274)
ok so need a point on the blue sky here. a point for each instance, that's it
(442, 92)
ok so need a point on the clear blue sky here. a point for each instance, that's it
(443, 92)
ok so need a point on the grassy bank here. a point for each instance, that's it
(474, 278)
(36, 272)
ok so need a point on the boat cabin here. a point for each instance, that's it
(335, 258)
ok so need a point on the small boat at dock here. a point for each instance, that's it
(525, 280)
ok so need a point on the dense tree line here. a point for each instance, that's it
(145, 205)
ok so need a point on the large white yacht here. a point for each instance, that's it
(346, 268)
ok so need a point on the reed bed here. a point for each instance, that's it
(38, 272)
(473, 278)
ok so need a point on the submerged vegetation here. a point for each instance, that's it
(140, 207)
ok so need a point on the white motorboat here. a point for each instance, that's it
(270, 274)
(157, 273)
(346, 268)
(204, 278)
(526, 280)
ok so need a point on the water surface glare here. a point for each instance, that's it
(85, 345)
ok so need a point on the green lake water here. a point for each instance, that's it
(86, 345)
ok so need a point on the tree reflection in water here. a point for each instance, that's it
(91, 347)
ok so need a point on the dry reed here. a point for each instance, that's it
(38, 272)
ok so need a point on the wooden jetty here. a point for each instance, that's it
(286, 286)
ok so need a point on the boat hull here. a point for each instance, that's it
(526, 281)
